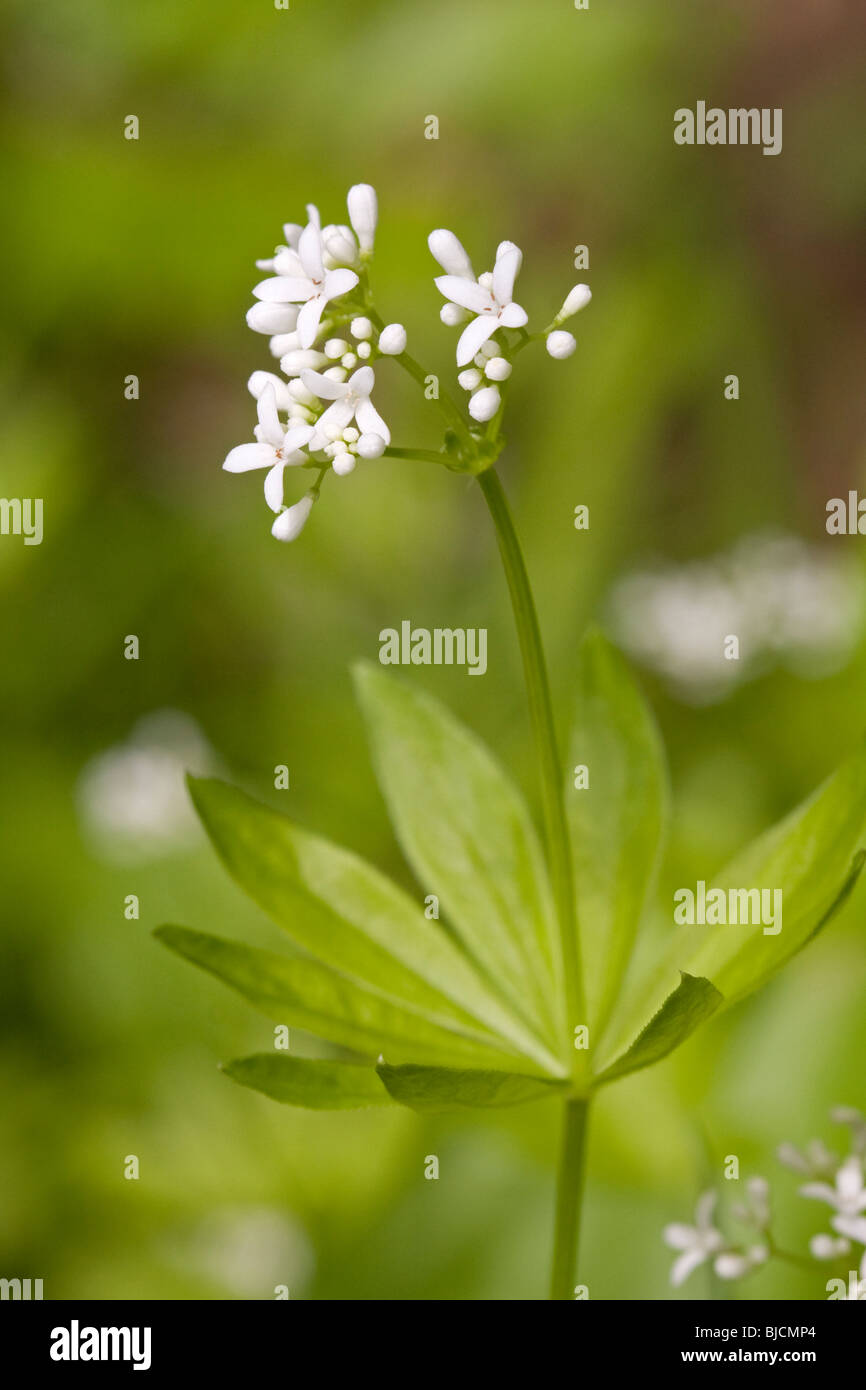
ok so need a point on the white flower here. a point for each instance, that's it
(275, 448)
(272, 318)
(302, 279)
(756, 1210)
(816, 1161)
(848, 1195)
(484, 404)
(392, 340)
(576, 299)
(291, 522)
(698, 1243)
(292, 233)
(363, 214)
(560, 344)
(492, 303)
(351, 401)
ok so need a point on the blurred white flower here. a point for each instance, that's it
(698, 1243)
(786, 601)
(249, 1251)
(848, 1194)
(132, 798)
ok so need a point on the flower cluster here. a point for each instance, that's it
(483, 306)
(316, 309)
(319, 413)
(838, 1181)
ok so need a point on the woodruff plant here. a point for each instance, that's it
(536, 989)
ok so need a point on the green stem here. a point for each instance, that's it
(421, 455)
(552, 774)
(569, 1195)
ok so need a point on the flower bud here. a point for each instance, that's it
(392, 340)
(339, 246)
(343, 464)
(576, 299)
(469, 379)
(335, 347)
(272, 318)
(259, 380)
(560, 344)
(484, 404)
(371, 446)
(349, 361)
(361, 328)
(295, 362)
(452, 315)
(364, 350)
(450, 254)
(363, 214)
(290, 523)
(498, 369)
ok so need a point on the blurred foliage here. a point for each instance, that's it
(555, 129)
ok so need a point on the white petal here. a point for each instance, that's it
(284, 289)
(450, 254)
(292, 233)
(505, 273)
(363, 213)
(272, 318)
(274, 487)
(313, 217)
(370, 421)
(331, 424)
(465, 293)
(291, 522)
(281, 343)
(513, 316)
(854, 1227)
(297, 438)
(362, 381)
(683, 1267)
(259, 380)
(323, 386)
(473, 335)
(849, 1181)
(339, 282)
(310, 252)
(271, 431)
(309, 319)
(679, 1236)
(704, 1208)
(340, 245)
(821, 1191)
(247, 456)
(301, 359)
(288, 263)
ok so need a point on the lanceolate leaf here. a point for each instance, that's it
(616, 822)
(302, 993)
(692, 1001)
(308, 1082)
(441, 1088)
(354, 919)
(469, 838)
(812, 857)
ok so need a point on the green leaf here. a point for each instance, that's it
(353, 918)
(693, 1000)
(813, 856)
(301, 993)
(442, 1088)
(617, 822)
(313, 1084)
(470, 840)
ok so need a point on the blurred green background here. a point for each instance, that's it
(556, 129)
